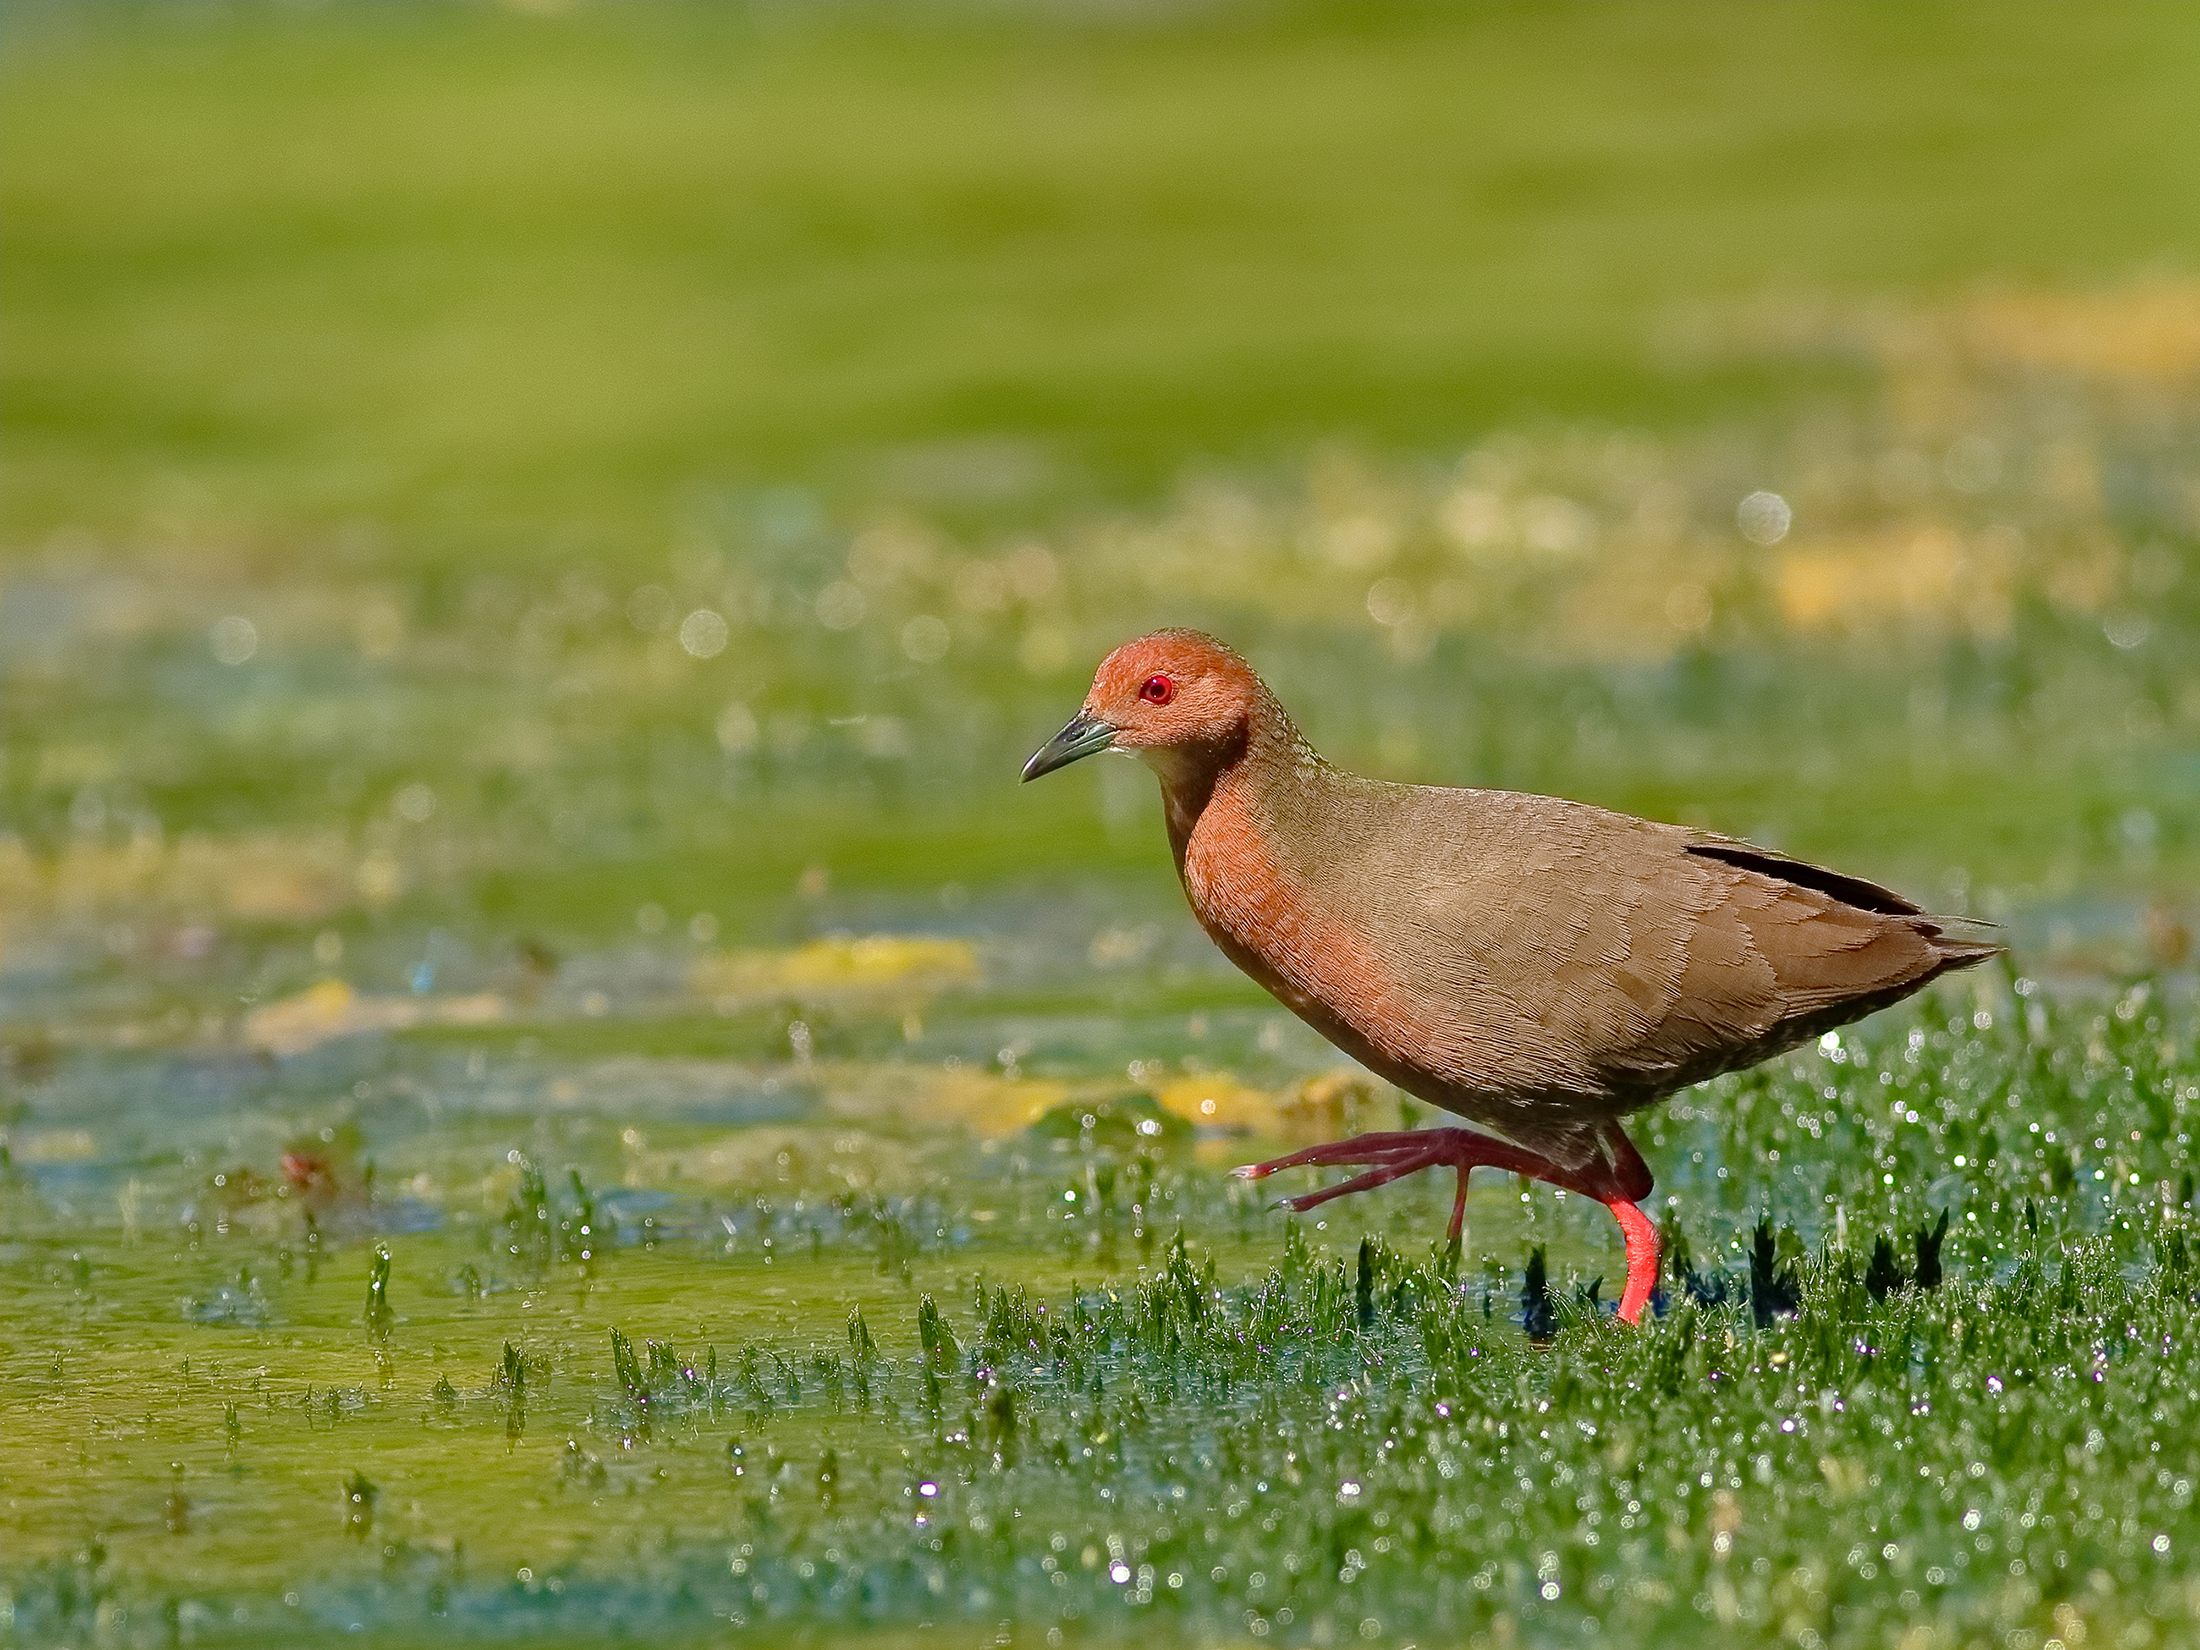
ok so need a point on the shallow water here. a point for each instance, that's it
(799, 1151)
(766, 1172)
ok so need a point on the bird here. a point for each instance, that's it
(1538, 967)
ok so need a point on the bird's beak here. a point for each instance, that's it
(1084, 735)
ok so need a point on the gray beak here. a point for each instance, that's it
(1084, 735)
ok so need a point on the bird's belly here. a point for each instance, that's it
(1331, 978)
(1456, 1046)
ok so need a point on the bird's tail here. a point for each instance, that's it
(1961, 942)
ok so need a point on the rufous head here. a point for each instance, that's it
(1175, 691)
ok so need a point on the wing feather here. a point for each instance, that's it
(1550, 962)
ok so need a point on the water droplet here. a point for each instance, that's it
(703, 633)
(234, 639)
(1764, 518)
(1390, 601)
(2126, 630)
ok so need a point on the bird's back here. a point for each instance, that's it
(1537, 964)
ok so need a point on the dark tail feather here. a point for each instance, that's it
(1960, 950)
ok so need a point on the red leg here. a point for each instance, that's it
(1626, 1183)
(1642, 1258)
(1619, 1184)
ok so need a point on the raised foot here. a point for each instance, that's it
(1388, 1156)
(1393, 1156)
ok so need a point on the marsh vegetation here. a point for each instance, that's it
(551, 1085)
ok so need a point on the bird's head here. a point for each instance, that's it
(1174, 697)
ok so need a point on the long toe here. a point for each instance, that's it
(1360, 1150)
(1358, 1183)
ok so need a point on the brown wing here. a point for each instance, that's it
(1783, 951)
(1554, 965)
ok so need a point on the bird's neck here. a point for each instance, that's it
(1233, 773)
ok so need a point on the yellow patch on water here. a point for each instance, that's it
(53, 1146)
(875, 1121)
(981, 1101)
(332, 1009)
(1344, 1100)
(841, 963)
(1328, 1106)
(1219, 1100)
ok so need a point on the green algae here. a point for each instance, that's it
(1086, 1387)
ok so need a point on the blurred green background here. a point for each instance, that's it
(462, 352)
(530, 282)
(534, 541)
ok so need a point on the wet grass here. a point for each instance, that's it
(1922, 1364)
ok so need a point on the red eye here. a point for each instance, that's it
(1157, 690)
